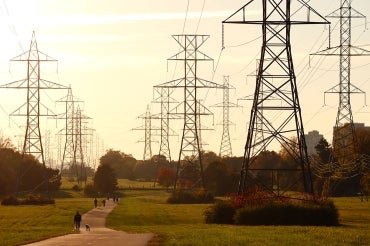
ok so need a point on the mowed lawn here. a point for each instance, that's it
(21, 224)
(147, 211)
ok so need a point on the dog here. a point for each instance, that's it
(87, 226)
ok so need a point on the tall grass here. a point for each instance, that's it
(179, 224)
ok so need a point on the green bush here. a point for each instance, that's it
(324, 214)
(191, 197)
(220, 213)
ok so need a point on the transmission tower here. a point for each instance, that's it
(345, 161)
(147, 128)
(69, 131)
(165, 100)
(225, 148)
(275, 79)
(190, 109)
(47, 149)
(78, 154)
(345, 158)
(33, 109)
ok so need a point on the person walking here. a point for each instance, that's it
(95, 202)
(103, 203)
(77, 221)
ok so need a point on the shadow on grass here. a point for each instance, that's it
(62, 194)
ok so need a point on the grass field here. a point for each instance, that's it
(122, 184)
(21, 224)
(143, 210)
(147, 211)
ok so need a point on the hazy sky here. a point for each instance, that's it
(113, 52)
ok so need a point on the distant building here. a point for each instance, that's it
(343, 133)
(361, 126)
(312, 139)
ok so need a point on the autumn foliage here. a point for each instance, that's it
(166, 177)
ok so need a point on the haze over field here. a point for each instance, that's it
(113, 52)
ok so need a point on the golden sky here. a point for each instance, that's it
(113, 52)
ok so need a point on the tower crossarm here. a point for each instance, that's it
(182, 83)
(336, 51)
(22, 84)
(241, 16)
(190, 45)
(179, 110)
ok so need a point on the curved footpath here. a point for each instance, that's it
(98, 234)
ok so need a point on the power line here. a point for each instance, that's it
(12, 28)
(200, 17)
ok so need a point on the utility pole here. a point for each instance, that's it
(190, 109)
(225, 148)
(275, 80)
(33, 109)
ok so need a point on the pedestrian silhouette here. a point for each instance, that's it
(95, 202)
(77, 221)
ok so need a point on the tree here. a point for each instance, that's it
(25, 173)
(323, 150)
(105, 180)
(220, 178)
(122, 163)
(166, 177)
(145, 170)
(209, 157)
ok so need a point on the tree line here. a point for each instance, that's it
(221, 174)
(20, 172)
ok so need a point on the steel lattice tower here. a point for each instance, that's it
(165, 100)
(344, 140)
(147, 128)
(225, 147)
(47, 149)
(33, 107)
(276, 79)
(190, 149)
(148, 136)
(78, 154)
(69, 131)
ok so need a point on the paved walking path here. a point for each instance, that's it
(98, 234)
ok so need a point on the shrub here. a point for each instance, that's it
(259, 207)
(220, 213)
(190, 197)
(29, 200)
(89, 190)
(288, 214)
(36, 200)
(10, 200)
(254, 197)
(76, 188)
